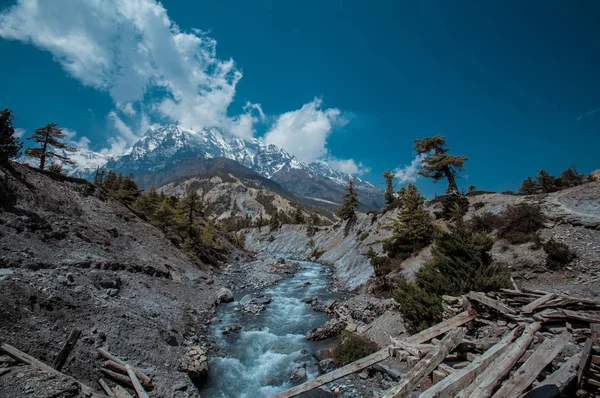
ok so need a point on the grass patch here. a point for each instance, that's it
(352, 347)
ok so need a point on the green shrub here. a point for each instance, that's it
(559, 254)
(449, 204)
(520, 222)
(383, 265)
(363, 236)
(419, 308)
(478, 205)
(352, 347)
(484, 222)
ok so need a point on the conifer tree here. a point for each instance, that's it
(56, 168)
(546, 182)
(413, 228)
(274, 222)
(9, 143)
(438, 164)
(299, 216)
(570, 178)
(164, 215)
(388, 194)
(349, 202)
(528, 187)
(49, 137)
(191, 205)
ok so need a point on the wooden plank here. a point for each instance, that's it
(561, 314)
(106, 388)
(563, 376)
(426, 365)
(137, 386)
(585, 359)
(460, 379)
(490, 302)
(377, 357)
(118, 377)
(120, 392)
(529, 371)
(486, 382)
(107, 355)
(23, 357)
(529, 308)
(66, 349)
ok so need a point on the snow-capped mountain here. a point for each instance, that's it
(164, 147)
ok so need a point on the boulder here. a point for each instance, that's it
(298, 372)
(196, 364)
(224, 295)
(326, 365)
(595, 175)
(331, 328)
(305, 284)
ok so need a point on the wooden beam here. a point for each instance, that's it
(36, 363)
(563, 375)
(490, 302)
(426, 365)
(560, 314)
(107, 355)
(120, 392)
(460, 379)
(585, 359)
(486, 382)
(106, 388)
(529, 308)
(595, 333)
(118, 377)
(66, 349)
(137, 386)
(529, 371)
(377, 357)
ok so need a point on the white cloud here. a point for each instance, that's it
(348, 166)
(131, 49)
(409, 173)
(588, 113)
(122, 128)
(19, 132)
(304, 132)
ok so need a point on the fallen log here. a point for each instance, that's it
(486, 382)
(66, 349)
(460, 379)
(145, 380)
(585, 360)
(106, 388)
(118, 377)
(490, 302)
(36, 363)
(426, 365)
(528, 372)
(529, 308)
(137, 386)
(553, 315)
(120, 392)
(377, 357)
(563, 376)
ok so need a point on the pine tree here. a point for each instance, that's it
(546, 182)
(349, 202)
(570, 178)
(388, 194)
(438, 164)
(9, 144)
(299, 216)
(413, 228)
(274, 222)
(528, 187)
(191, 205)
(471, 188)
(164, 215)
(50, 139)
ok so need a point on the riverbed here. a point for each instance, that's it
(257, 360)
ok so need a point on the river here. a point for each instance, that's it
(257, 361)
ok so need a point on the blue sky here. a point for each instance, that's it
(513, 85)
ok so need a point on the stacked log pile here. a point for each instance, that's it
(510, 343)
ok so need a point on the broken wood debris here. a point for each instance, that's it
(125, 374)
(534, 327)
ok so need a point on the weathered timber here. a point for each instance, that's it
(118, 377)
(117, 364)
(446, 368)
(137, 386)
(377, 357)
(596, 359)
(595, 333)
(437, 376)
(486, 382)
(145, 380)
(584, 361)
(490, 302)
(528, 372)
(529, 308)
(4, 371)
(36, 363)
(66, 349)
(120, 392)
(106, 388)
(426, 365)
(465, 376)
(564, 375)
(560, 314)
